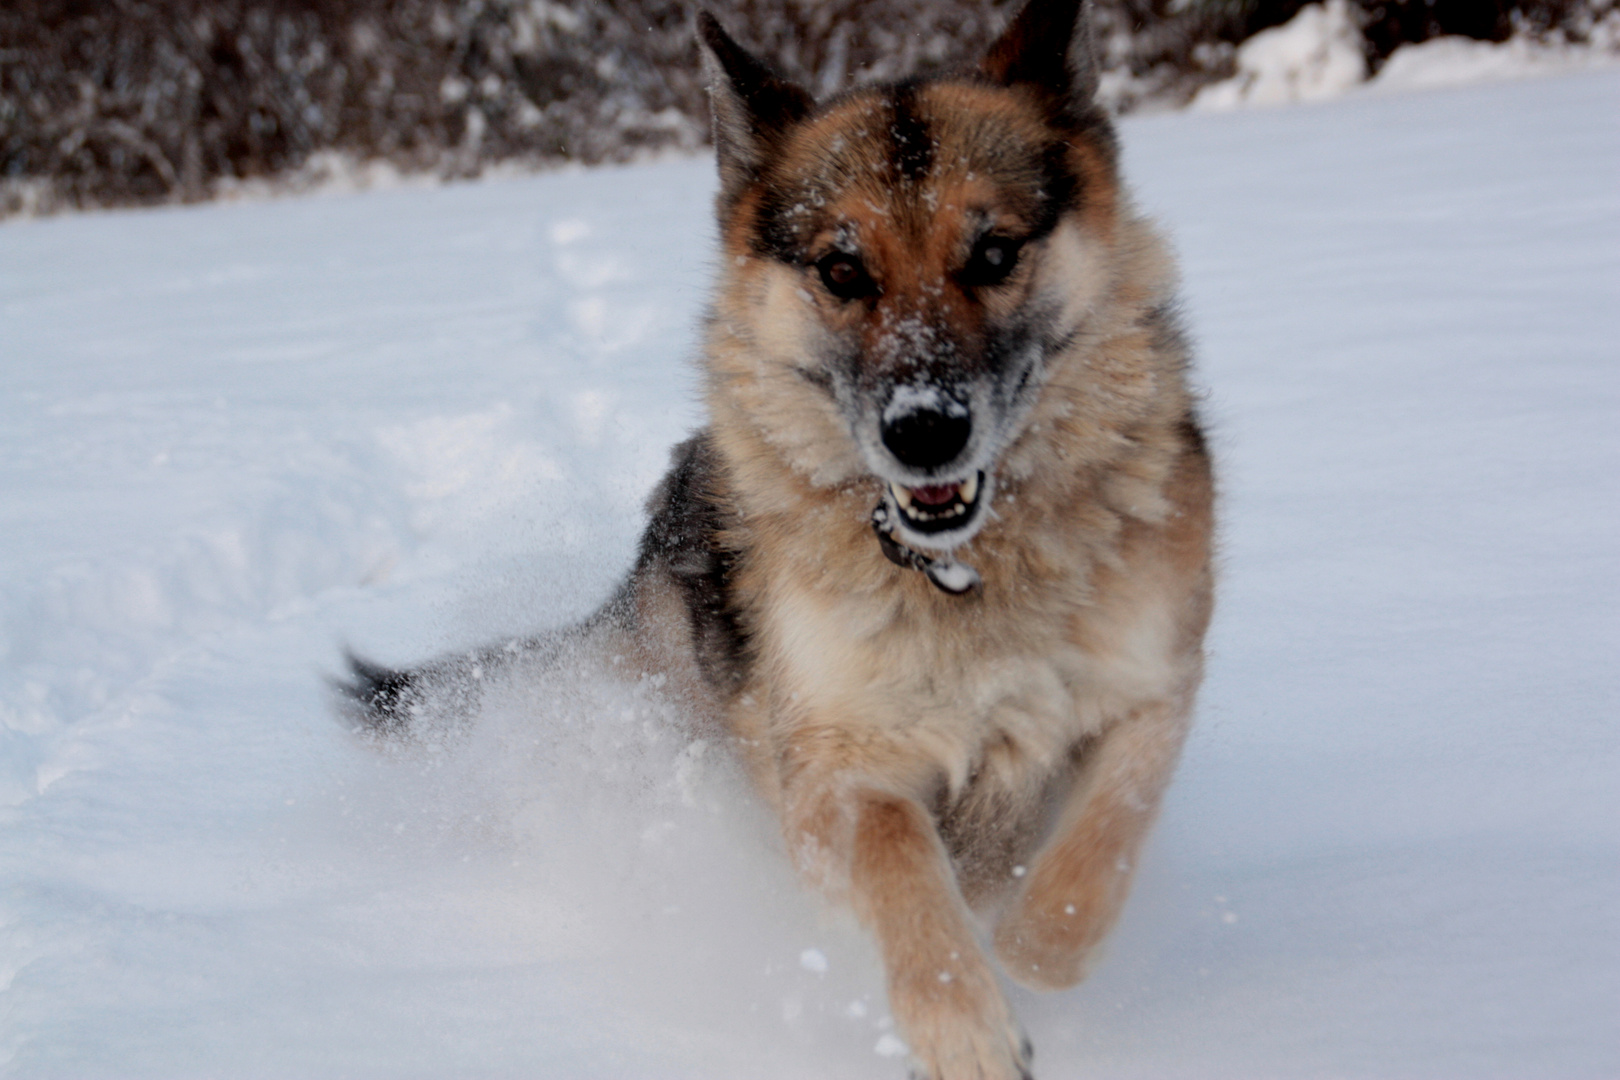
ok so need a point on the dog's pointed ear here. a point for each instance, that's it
(752, 106)
(1048, 47)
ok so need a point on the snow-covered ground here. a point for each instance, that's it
(233, 438)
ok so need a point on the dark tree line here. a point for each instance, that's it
(119, 102)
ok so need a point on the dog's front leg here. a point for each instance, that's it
(942, 988)
(1077, 884)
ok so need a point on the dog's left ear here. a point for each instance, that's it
(752, 106)
(1048, 47)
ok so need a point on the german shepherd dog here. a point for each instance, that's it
(939, 564)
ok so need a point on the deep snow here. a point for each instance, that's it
(234, 437)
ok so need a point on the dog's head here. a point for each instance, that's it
(903, 261)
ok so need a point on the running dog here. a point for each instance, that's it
(939, 564)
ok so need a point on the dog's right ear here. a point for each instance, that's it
(1048, 47)
(752, 106)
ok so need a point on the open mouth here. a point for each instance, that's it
(937, 508)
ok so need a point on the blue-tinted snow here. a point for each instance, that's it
(234, 437)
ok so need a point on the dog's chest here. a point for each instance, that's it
(949, 694)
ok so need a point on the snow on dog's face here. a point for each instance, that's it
(903, 263)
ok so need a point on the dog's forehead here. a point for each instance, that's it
(918, 157)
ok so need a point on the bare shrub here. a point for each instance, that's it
(128, 102)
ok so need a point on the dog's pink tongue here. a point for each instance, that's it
(934, 494)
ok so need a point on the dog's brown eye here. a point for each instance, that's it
(993, 258)
(845, 276)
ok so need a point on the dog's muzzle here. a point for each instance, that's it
(938, 500)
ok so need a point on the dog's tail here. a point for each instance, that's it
(434, 699)
(377, 700)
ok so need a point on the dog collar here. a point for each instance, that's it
(948, 575)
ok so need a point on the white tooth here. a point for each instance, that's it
(969, 490)
(901, 496)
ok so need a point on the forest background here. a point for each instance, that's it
(137, 102)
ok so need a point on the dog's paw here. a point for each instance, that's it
(950, 1042)
(1001, 1060)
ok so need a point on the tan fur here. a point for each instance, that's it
(918, 745)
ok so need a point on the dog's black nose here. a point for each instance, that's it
(928, 436)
